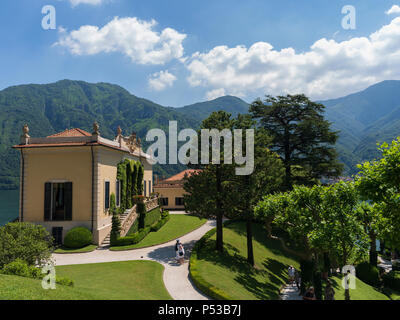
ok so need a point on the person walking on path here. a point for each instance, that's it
(291, 272)
(329, 291)
(181, 254)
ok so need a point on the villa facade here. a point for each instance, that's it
(66, 179)
(171, 190)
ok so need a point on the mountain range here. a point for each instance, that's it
(362, 118)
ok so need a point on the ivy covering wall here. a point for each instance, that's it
(130, 173)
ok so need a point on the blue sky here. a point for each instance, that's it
(198, 50)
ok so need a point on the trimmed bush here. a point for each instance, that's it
(392, 280)
(134, 228)
(205, 287)
(132, 239)
(152, 217)
(78, 237)
(159, 224)
(368, 273)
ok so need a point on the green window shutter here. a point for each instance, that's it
(107, 195)
(68, 201)
(47, 201)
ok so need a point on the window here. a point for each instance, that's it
(179, 201)
(144, 187)
(57, 235)
(164, 201)
(150, 188)
(58, 201)
(107, 195)
(118, 192)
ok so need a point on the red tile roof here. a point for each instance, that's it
(76, 132)
(181, 175)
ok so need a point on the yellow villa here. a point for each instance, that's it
(171, 190)
(67, 178)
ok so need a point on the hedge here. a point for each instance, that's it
(131, 239)
(159, 224)
(368, 273)
(197, 279)
(134, 228)
(392, 280)
(152, 217)
(78, 237)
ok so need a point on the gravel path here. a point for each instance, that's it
(176, 277)
(290, 292)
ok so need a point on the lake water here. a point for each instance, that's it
(9, 205)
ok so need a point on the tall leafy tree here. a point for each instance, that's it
(369, 215)
(300, 135)
(207, 190)
(246, 190)
(321, 219)
(379, 181)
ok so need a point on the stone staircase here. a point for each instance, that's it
(127, 219)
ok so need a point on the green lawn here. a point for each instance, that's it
(230, 272)
(362, 291)
(89, 248)
(126, 280)
(177, 226)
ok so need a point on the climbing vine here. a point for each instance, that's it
(130, 173)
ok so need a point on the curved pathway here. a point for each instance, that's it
(176, 277)
(290, 292)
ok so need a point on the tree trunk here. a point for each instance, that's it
(288, 170)
(220, 243)
(250, 253)
(373, 255)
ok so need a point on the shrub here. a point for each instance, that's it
(26, 241)
(113, 204)
(159, 224)
(65, 282)
(134, 227)
(151, 217)
(115, 228)
(78, 238)
(164, 213)
(131, 239)
(392, 280)
(368, 273)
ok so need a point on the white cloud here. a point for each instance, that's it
(393, 10)
(160, 80)
(135, 38)
(214, 94)
(92, 2)
(327, 69)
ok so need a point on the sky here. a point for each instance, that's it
(177, 52)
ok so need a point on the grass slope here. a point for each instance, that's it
(88, 248)
(230, 272)
(362, 291)
(19, 288)
(126, 280)
(177, 226)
